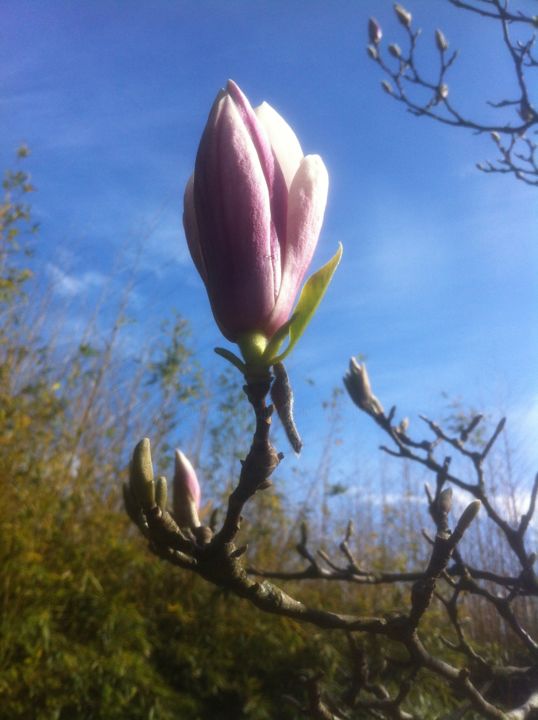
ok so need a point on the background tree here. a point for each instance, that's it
(426, 92)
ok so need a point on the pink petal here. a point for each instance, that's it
(234, 217)
(186, 498)
(255, 130)
(278, 190)
(185, 480)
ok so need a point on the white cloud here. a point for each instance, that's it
(68, 285)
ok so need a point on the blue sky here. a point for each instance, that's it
(437, 287)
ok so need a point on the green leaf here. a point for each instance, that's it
(310, 298)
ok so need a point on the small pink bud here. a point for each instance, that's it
(186, 501)
(253, 212)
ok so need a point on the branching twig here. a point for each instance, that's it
(517, 150)
(214, 557)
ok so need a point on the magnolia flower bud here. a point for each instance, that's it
(253, 211)
(374, 31)
(495, 137)
(445, 500)
(141, 475)
(395, 51)
(441, 41)
(467, 517)
(442, 91)
(358, 386)
(372, 52)
(403, 426)
(387, 87)
(403, 15)
(187, 493)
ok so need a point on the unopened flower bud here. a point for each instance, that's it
(469, 514)
(467, 517)
(445, 500)
(442, 92)
(186, 492)
(372, 52)
(403, 426)
(374, 31)
(141, 475)
(441, 41)
(495, 137)
(133, 509)
(403, 15)
(387, 87)
(358, 386)
(395, 51)
(253, 211)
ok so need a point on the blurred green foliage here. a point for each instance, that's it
(91, 624)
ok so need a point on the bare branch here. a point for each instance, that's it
(517, 152)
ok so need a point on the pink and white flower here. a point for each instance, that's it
(253, 211)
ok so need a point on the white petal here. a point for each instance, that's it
(238, 245)
(306, 208)
(284, 142)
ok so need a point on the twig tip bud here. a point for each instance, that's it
(467, 517)
(141, 474)
(441, 41)
(442, 91)
(403, 15)
(374, 31)
(445, 500)
(387, 87)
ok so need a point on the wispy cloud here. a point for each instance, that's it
(71, 285)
